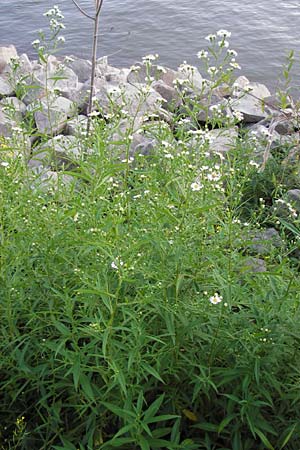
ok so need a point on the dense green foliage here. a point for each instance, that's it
(108, 337)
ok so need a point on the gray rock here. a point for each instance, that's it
(80, 96)
(6, 124)
(50, 122)
(251, 108)
(21, 72)
(133, 99)
(109, 73)
(264, 242)
(168, 93)
(81, 67)
(139, 143)
(59, 152)
(51, 118)
(250, 100)
(62, 104)
(284, 126)
(140, 74)
(57, 78)
(50, 181)
(253, 265)
(6, 54)
(293, 196)
(223, 140)
(77, 126)
(14, 105)
(5, 88)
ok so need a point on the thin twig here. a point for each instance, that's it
(99, 7)
(82, 11)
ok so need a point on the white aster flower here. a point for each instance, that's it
(210, 37)
(224, 33)
(35, 43)
(223, 44)
(215, 299)
(196, 186)
(202, 54)
(231, 52)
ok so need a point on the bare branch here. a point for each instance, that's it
(82, 11)
(99, 6)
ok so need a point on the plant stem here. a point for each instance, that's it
(98, 6)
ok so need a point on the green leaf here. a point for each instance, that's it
(61, 327)
(225, 422)
(125, 414)
(144, 444)
(153, 408)
(206, 426)
(288, 436)
(86, 386)
(162, 418)
(139, 405)
(76, 372)
(264, 439)
(124, 430)
(117, 442)
(147, 368)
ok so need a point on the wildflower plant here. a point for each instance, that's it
(131, 317)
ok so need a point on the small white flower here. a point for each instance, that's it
(35, 43)
(224, 33)
(238, 115)
(235, 65)
(117, 264)
(215, 299)
(212, 70)
(231, 52)
(4, 164)
(254, 164)
(135, 68)
(202, 54)
(223, 44)
(196, 186)
(94, 114)
(161, 69)
(210, 37)
(150, 58)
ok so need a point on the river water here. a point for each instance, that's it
(263, 31)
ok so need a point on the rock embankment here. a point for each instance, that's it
(55, 96)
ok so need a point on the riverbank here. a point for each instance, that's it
(149, 270)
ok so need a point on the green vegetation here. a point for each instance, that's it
(132, 314)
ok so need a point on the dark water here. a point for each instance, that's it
(262, 30)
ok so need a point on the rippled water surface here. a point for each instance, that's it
(262, 30)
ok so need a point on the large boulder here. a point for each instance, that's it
(249, 100)
(6, 54)
(5, 88)
(59, 152)
(51, 118)
(263, 242)
(6, 123)
(137, 101)
(77, 126)
(168, 93)
(44, 81)
(81, 67)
